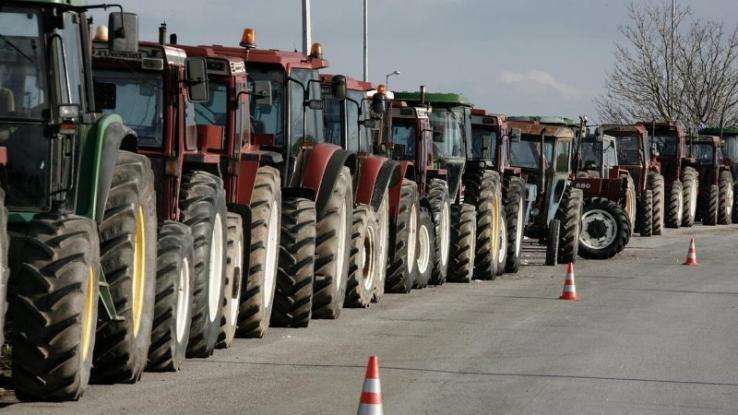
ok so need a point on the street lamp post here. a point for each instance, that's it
(387, 77)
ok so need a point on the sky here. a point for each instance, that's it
(512, 57)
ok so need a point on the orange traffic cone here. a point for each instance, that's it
(692, 254)
(371, 395)
(570, 288)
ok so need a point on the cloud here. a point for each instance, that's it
(531, 82)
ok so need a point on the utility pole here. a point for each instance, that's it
(366, 40)
(306, 27)
(670, 78)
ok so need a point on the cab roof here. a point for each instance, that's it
(547, 119)
(287, 60)
(436, 99)
(620, 129)
(351, 83)
(533, 127)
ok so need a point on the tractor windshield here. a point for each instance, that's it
(629, 151)
(404, 135)
(268, 117)
(447, 132)
(333, 119)
(306, 122)
(526, 153)
(666, 145)
(336, 113)
(704, 153)
(590, 155)
(730, 148)
(484, 143)
(138, 98)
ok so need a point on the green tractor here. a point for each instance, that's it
(81, 209)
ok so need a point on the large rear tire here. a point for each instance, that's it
(293, 298)
(259, 279)
(645, 214)
(463, 239)
(483, 192)
(332, 249)
(173, 307)
(655, 182)
(440, 209)
(570, 218)
(202, 200)
(690, 186)
(403, 239)
(711, 207)
(383, 243)
(233, 280)
(128, 246)
(725, 208)
(675, 207)
(53, 306)
(515, 217)
(363, 270)
(605, 229)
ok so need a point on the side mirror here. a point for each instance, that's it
(515, 135)
(262, 93)
(123, 32)
(105, 96)
(338, 87)
(197, 79)
(378, 105)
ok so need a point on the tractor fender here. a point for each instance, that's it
(375, 175)
(113, 135)
(318, 169)
(403, 170)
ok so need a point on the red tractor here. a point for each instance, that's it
(675, 171)
(490, 150)
(609, 196)
(287, 122)
(155, 90)
(716, 197)
(729, 138)
(351, 122)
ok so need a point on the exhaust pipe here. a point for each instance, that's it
(162, 33)
(422, 95)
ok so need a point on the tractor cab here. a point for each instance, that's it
(490, 143)
(729, 145)
(596, 156)
(411, 140)
(633, 150)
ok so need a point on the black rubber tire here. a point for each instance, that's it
(235, 250)
(293, 298)
(4, 267)
(425, 224)
(203, 205)
(122, 350)
(383, 222)
(690, 186)
(630, 203)
(515, 218)
(727, 198)
(363, 262)
(570, 218)
(52, 260)
(439, 203)
(655, 182)
(675, 205)
(482, 190)
(330, 271)
(175, 263)
(621, 227)
(258, 295)
(463, 240)
(401, 270)
(710, 208)
(645, 214)
(552, 245)
(735, 202)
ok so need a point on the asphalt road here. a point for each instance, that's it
(648, 336)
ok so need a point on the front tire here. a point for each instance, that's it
(690, 186)
(675, 207)
(128, 246)
(204, 211)
(173, 307)
(570, 219)
(725, 215)
(645, 214)
(483, 192)
(403, 239)
(711, 206)
(655, 182)
(233, 279)
(54, 298)
(605, 229)
(363, 270)
(425, 246)
(515, 217)
(463, 240)
(502, 246)
(552, 245)
(440, 209)
(332, 249)
(383, 241)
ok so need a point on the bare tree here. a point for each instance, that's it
(673, 67)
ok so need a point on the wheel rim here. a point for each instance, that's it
(235, 294)
(445, 233)
(424, 249)
(680, 214)
(598, 230)
(693, 200)
(631, 209)
(183, 295)
(367, 260)
(270, 270)
(88, 316)
(729, 202)
(215, 279)
(502, 249)
(341, 249)
(138, 280)
(384, 245)
(412, 237)
(519, 230)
